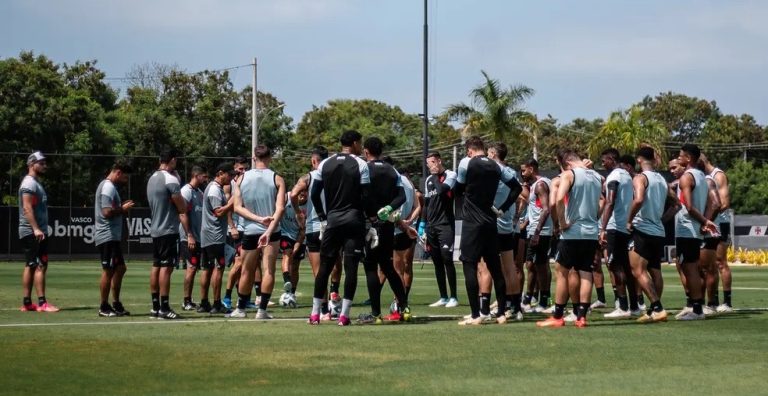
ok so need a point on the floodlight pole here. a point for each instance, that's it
(254, 116)
(425, 114)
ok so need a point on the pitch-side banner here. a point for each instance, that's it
(70, 231)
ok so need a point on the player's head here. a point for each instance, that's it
(168, 158)
(241, 165)
(609, 158)
(352, 140)
(224, 173)
(474, 146)
(689, 155)
(498, 151)
(704, 160)
(675, 168)
(529, 169)
(627, 162)
(373, 147)
(303, 197)
(120, 171)
(567, 157)
(646, 155)
(198, 176)
(262, 154)
(388, 160)
(319, 153)
(36, 162)
(434, 163)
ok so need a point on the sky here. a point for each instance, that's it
(583, 58)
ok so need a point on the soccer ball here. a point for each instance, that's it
(288, 300)
(393, 306)
(334, 307)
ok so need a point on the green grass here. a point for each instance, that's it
(723, 355)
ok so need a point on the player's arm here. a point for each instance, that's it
(609, 204)
(686, 188)
(566, 181)
(279, 205)
(723, 191)
(542, 191)
(181, 208)
(300, 186)
(27, 202)
(639, 184)
(673, 204)
(316, 195)
(552, 197)
(243, 212)
(713, 200)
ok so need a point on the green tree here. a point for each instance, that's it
(683, 116)
(626, 131)
(492, 110)
(748, 186)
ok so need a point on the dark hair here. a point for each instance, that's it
(348, 138)
(612, 152)
(321, 152)
(167, 155)
(241, 159)
(225, 167)
(692, 150)
(565, 155)
(435, 154)
(532, 163)
(198, 169)
(123, 166)
(627, 159)
(474, 143)
(388, 160)
(647, 153)
(374, 146)
(501, 150)
(262, 152)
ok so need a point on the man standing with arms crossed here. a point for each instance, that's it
(168, 210)
(107, 235)
(213, 235)
(260, 201)
(33, 232)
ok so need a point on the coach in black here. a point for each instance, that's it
(479, 176)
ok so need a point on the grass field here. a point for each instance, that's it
(75, 352)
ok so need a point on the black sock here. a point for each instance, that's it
(335, 287)
(324, 307)
(228, 294)
(407, 291)
(187, 300)
(714, 302)
(286, 276)
(516, 302)
(656, 306)
(27, 301)
(575, 308)
(264, 301)
(559, 311)
(509, 302)
(527, 299)
(623, 303)
(293, 290)
(41, 300)
(485, 304)
(105, 306)
(164, 306)
(640, 299)
(156, 301)
(583, 309)
(256, 288)
(688, 301)
(600, 294)
(242, 301)
(632, 301)
(727, 297)
(544, 298)
(615, 295)
(204, 302)
(217, 303)
(697, 306)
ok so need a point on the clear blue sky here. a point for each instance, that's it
(583, 58)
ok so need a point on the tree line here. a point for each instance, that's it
(74, 109)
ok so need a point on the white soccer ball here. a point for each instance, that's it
(334, 307)
(288, 300)
(393, 306)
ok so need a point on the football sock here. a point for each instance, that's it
(485, 304)
(156, 301)
(257, 288)
(346, 306)
(559, 311)
(727, 297)
(697, 306)
(317, 304)
(164, 304)
(624, 304)
(656, 306)
(41, 300)
(228, 294)
(286, 276)
(264, 301)
(242, 301)
(335, 287)
(27, 301)
(600, 294)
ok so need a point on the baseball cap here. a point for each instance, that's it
(35, 157)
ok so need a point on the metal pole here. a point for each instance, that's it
(254, 116)
(10, 208)
(69, 235)
(455, 158)
(425, 133)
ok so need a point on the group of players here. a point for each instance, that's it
(355, 206)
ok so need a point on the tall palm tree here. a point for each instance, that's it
(626, 131)
(493, 109)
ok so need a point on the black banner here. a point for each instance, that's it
(70, 233)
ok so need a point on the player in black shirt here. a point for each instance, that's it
(344, 182)
(386, 196)
(440, 229)
(479, 177)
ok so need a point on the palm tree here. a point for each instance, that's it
(626, 131)
(493, 109)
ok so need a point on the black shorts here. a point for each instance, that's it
(506, 242)
(287, 243)
(237, 244)
(189, 258)
(35, 253)
(441, 237)
(578, 254)
(165, 250)
(213, 257)
(649, 247)
(688, 249)
(111, 254)
(350, 237)
(711, 243)
(403, 242)
(725, 233)
(539, 254)
(251, 242)
(553, 245)
(478, 241)
(313, 242)
(618, 249)
(383, 252)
